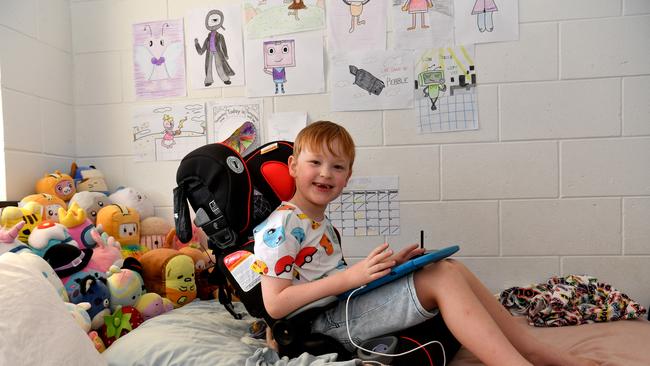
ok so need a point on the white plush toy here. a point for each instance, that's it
(80, 314)
(131, 197)
(91, 202)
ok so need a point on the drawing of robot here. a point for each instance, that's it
(278, 55)
(415, 7)
(483, 10)
(214, 46)
(433, 82)
(356, 8)
(168, 131)
(367, 81)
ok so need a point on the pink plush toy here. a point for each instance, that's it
(78, 225)
(106, 253)
(9, 239)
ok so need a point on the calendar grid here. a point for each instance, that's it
(366, 212)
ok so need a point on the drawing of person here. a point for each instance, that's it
(169, 133)
(277, 56)
(215, 48)
(483, 10)
(295, 6)
(356, 8)
(417, 6)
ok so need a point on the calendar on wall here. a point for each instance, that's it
(368, 206)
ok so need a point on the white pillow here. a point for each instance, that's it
(35, 326)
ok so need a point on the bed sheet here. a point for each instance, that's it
(618, 343)
(199, 333)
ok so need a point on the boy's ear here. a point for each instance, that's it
(291, 162)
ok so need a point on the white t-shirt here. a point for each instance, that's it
(290, 245)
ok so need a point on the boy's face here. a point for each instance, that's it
(320, 178)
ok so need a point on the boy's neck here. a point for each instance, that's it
(313, 212)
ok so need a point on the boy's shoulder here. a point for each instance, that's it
(280, 216)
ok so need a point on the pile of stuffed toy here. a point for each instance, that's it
(110, 259)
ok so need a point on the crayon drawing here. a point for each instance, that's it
(168, 131)
(422, 22)
(368, 80)
(266, 18)
(214, 47)
(445, 89)
(481, 21)
(285, 65)
(356, 24)
(236, 122)
(159, 59)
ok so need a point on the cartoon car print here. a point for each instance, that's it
(327, 244)
(259, 267)
(284, 264)
(305, 255)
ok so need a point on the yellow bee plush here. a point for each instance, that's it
(30, 214)
(57, 184)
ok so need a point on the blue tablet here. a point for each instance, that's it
(404, 269)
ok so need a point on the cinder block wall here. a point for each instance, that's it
(554, 182)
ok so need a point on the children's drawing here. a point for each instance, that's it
(295, 6)
(169, 131)
(445, 89)
(356, 24)
(268, 18)
(475, 21)
(432, 82)
(370, 80)
(159, 60)
(285, 66)
(415, 7)
(278, 55)
(422, 22)
(214, 47)
(483, 10)
(236, 122)
(366, 81)
(356, 9)
(215, 52)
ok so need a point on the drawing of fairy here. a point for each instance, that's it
(356, 8)
(169, 134)
(415, 7)
(483, 10)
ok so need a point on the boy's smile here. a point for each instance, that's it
(320, 178)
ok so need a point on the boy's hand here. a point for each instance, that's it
(407, 253)
(376, 265)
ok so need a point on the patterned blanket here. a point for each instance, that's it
(570, 300)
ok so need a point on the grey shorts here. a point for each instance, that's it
(384, 310)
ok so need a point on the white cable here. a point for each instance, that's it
(347, 326)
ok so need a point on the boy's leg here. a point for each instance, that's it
(534, 350)
(442, 285)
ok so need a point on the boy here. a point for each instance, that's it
(303, 255)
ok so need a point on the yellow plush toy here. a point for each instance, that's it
(57, 184)
(51, 205)
(170, 274)
(123, 224)
(30, 214)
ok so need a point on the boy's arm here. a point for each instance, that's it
(282, 297)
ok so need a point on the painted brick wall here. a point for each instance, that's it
(555, 181)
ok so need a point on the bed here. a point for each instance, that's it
(36, 329)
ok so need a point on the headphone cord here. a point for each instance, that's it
(347, 326)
